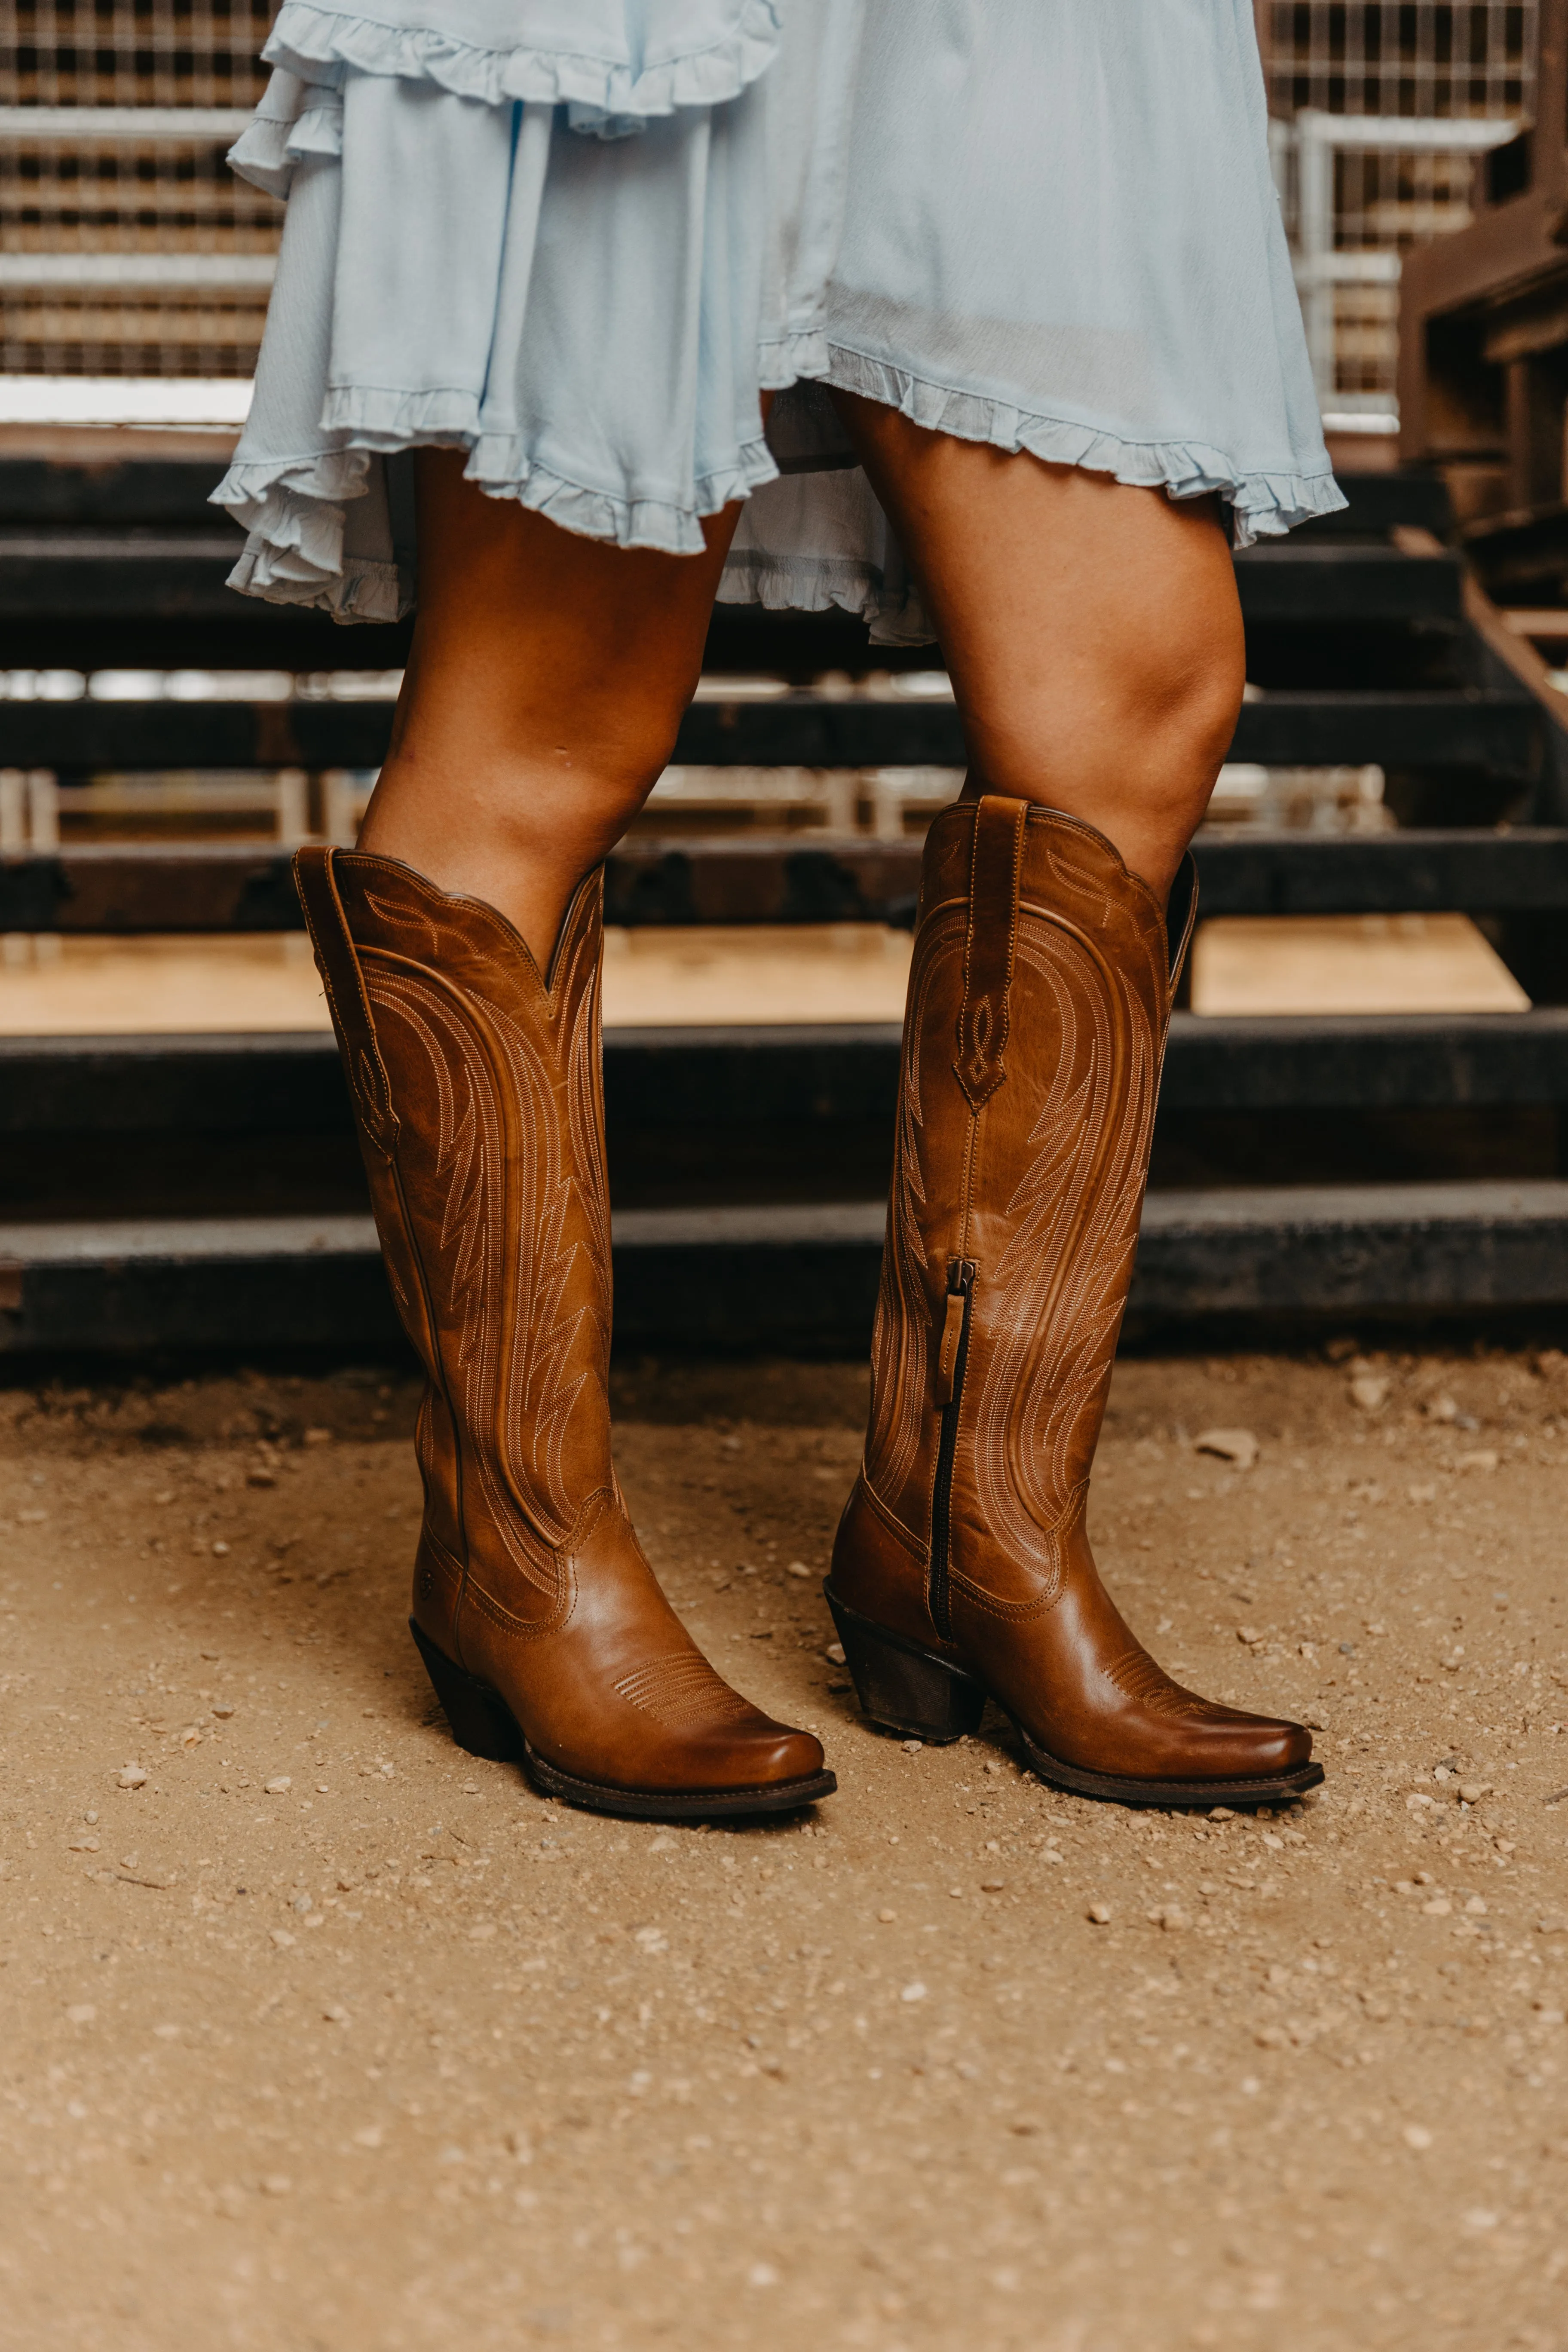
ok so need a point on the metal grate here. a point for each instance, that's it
(1420, 58)
(1380, 114)
(127, 247)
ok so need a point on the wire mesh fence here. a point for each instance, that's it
(1421, 59)
(128, 250)
(1381, 113)
(127, 247)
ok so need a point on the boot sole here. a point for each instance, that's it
(912, 1690)
(484, 1726)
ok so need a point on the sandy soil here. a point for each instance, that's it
(321, 2036)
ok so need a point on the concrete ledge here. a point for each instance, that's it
(798, 1277)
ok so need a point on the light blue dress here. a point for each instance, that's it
(579, 238)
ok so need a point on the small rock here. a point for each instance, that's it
(1485, 1457)
(1416, 2136)
(130, 1776)
(1476, 1907)
(1471, 1791)
(1554, 1924)
(83, 1845)
(797, 1568)
(260, 1478)
(913, 1747)
(1441, 1408)
(223, 1711)
(335, 2014)
(1368, 1390)
(281, 1937)
(1237, 1446)
(887, 1918)
(834, 1653)
(1438, 1908)
(318, 1437)
(1221, 1813)
(992, 1886)
(278, 1786)
(1098, 1914)
(1172, 1919)
(275, 2184)
(1249, 1635)
(81, 2012)
(220, 1551)
(914, 1992)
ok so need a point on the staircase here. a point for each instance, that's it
(204, 1191)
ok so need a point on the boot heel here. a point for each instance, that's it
(903, 1687)
(479, 1718)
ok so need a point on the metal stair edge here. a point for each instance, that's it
(745, 1279)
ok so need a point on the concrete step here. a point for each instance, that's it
(1493, 730)
(788, 1277)
(822, 1077)
(133, 886)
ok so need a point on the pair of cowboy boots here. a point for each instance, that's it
(1039, 999)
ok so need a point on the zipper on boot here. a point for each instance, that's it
(951, 1359)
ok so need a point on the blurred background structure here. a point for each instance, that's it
(1364, 1107)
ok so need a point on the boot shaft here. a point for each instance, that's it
(475, 1086)
(1039, 1001)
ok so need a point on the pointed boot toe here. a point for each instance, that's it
(773, 1755)
(1263, 1748)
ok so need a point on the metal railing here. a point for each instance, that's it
(1380, 116)
(127, 247)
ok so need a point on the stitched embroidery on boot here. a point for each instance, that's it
(681, 1692)
(1147, 1684)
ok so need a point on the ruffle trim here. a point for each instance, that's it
(825, 584)
(292, 508)
(295, 118)
(1265, 505)
(606, 96)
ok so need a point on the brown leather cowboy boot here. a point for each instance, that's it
(477, 1093)
(1039, 1001)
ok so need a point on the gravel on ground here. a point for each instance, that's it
(320, 2037)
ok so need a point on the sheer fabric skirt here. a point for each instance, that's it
(1031, 223)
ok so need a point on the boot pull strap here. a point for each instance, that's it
(338, 963)
(995, 858)
(1181, 916)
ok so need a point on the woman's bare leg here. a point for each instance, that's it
(1092, 631)
(546, 682)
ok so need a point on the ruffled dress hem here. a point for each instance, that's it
(604, 94)
(294, 511)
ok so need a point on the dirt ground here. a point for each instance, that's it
(322, 2038)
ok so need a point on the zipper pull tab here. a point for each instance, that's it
(961, 1275)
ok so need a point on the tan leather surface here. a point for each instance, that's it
(1028, 1164)
(476, 1090)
